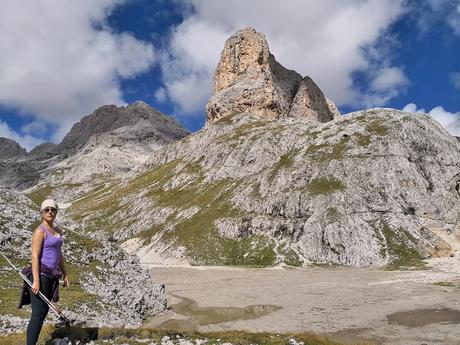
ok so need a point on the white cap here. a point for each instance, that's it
(48, 203)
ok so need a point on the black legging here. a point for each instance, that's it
(39, 309)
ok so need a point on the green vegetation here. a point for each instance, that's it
(290, 257)
(74, 295)
(20, 338)
(199, 233)
(376, 127)
(81, 241)
(10, 287)
(256, 191)
(205, 246)
(328, 151)
(39, 194)
(332, 215)
(363, 140)
(444, 283)
(313, 135)
(145, 335)
(242, 131)
(9, 298)
(324, 185)
(402, 254)
(286, 161)
(228, 119)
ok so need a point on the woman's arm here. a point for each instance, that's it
(37, 243)
(63, 270)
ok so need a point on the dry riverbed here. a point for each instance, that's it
(356, 305)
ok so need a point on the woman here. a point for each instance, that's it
(47, 267)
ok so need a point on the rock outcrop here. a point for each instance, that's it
(44, 151)
(113, 290)
(249, 79)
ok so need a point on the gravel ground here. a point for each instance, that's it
(385, 307)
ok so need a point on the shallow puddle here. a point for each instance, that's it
(198, 316)
(424, 317)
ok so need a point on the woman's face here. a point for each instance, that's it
(49, 214)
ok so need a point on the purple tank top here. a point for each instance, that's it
(51, 252)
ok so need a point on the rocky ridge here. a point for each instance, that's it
(277, 177)
(109, 142)
(9, 148)
(249, 79)
(374, 188)
(148, 123)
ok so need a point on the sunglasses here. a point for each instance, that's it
(50, 209)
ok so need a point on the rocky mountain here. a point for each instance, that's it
(138, 118)
(260, 185)
(377, 187)
(249, 79)
(9, 149)
(277, 176)
(109, 142)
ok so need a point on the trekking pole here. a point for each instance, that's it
(59, 314)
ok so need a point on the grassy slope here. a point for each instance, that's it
(198, 234)
(143, 336)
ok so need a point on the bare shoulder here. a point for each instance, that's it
(58, 230)
(39, 233)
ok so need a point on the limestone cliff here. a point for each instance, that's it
(373, 188)
(249, 79)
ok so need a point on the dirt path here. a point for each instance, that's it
(410, 307)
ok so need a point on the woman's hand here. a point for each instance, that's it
(35, 287)
(66, 281)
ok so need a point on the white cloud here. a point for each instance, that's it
(453, 19)
(386, 83)
(27, 141)
(450, 121)
(325, 40)
(59, 59)
(35, 127)
(455, 79)
(412, 108)
(161, 95)
(389, 78)
(432, 13)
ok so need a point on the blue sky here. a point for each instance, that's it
(59, 61)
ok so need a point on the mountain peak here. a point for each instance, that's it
(10, 149)
(110, 117)
(249, 79)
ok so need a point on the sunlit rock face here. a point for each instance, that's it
(249, 79)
